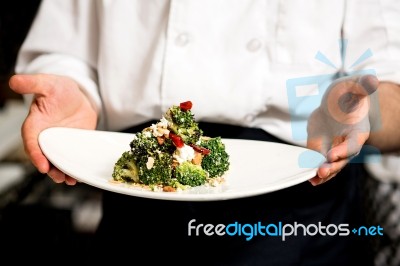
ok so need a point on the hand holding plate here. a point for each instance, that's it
(57, 101)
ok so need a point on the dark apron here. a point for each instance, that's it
(157, 230)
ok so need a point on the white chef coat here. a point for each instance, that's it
(231, 58)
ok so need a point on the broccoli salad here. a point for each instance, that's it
(173, 154)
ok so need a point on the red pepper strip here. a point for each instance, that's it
(201, 150)
(178, 142)
(186, 105)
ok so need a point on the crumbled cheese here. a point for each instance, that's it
(186, 153)
(147, 134)
(163, 122)
(154, 129)
(156, 188)
(162, 132)
(150, 162)
(160, 129)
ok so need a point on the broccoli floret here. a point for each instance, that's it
(144, 144)
(173, 182)
(150, 160)
(125, 169)
(183, 124)
(155, 169)
(190, 174)
(216, 163)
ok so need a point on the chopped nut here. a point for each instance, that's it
(169, 189)
(175, 163)
(160, 140)
(197, 158)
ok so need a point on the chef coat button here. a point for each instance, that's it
(182, 39)
(254, 45)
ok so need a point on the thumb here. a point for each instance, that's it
(362, 85)
(30, 84)
(347, 99)
(369, 83)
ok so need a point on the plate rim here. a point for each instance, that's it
(177, 196)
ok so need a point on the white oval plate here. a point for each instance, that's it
(256, 167)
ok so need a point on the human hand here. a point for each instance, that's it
(340, 126)
(57, 101)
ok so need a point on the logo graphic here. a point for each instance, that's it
(306, 93)
(280, 230)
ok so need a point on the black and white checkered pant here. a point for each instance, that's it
(383, 202)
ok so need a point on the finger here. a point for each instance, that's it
(30, 84)
(342, 151)
(352, 92)
(318, 144)
(318, 181)
(30, 137)
(347, 149)
(330, 169)
(70, 181)
(362, 85)
(59, 177)
(369, 83)
(347, 100)
(327, 171)
(56, 175)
